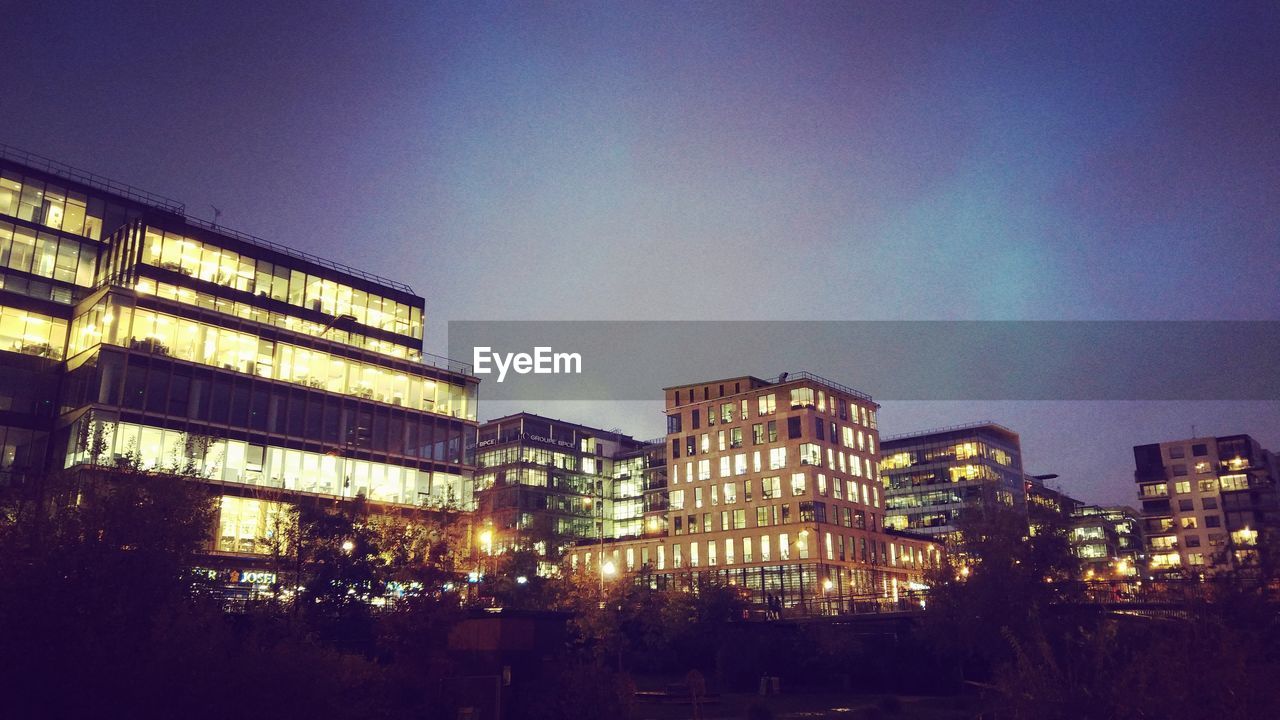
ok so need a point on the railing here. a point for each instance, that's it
(806, 375)
(299, 254)
(84, 177)
(160, 202)
(949, 428)
(835, 605)
(444, 363)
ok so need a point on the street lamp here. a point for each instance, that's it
(607, 570)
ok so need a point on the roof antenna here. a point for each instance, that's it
(216, 214)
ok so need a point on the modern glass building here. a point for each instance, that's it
(772, 486)
(130, 330)
(930, 477)
(1108, 542)
(544, 484)
(639, 491)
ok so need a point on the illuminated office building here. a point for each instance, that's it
(1047, 508)
(930, 477)
(129, 329)
(1209, 504)
(1108, 542)
(772, 486)
(639, 493)
(544, 484)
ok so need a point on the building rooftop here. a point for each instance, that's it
(978, 425)
(597, 432)
(174, 207)
(784, 378)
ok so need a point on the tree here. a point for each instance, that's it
(997, 579)
(634, 625)
(512, 580)
(96, 579)
(342, 567)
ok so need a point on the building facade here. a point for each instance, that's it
(544, 485)
(1209, 504)
(1048, 508)
(930, 477)
(639, 492)
(132, 332)
(1108, 542)
(773, 486)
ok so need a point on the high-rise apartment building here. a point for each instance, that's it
(773, 486)
(130, 330)
(930, 477)
(1208, 503)
(544, 484)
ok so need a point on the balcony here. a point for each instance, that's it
(1156, 507)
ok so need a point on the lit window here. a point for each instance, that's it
(767, 404)
(777, 458)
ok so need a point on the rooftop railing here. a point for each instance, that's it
(94, 180)
(806, 375)
(169, 205)
(948, 428)
(299, 254)
(444, 363)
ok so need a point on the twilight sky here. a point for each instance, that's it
(717, 161)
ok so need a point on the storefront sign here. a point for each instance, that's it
(252, 577)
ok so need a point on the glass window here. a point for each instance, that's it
(55, 199)
(32, 333)
(23, 250)
(10, 192)
(74, 216)
(46, 254)
(31, 200)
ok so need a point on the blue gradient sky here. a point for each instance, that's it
(717, 161)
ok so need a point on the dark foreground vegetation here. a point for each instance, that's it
(103, 616)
